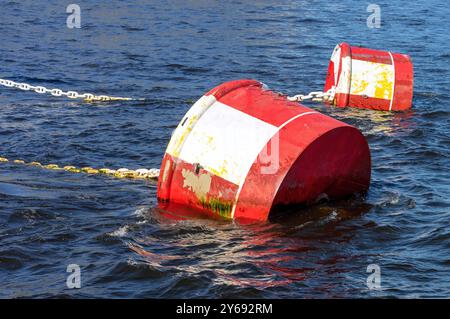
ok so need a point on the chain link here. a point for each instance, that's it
(141, 173)
(316, 96)
(88, 97)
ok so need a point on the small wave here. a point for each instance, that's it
(121, 232)
(132, 29)
(10, 263)
(30, 215)
(141, 212)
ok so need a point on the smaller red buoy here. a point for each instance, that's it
(242, 150)
(372, 79)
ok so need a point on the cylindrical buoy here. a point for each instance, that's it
(242, 150)
(372, 79)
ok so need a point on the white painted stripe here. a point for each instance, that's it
(277, 131)
(226, 141)
(345, 78)
(372, 79)
(188, 122)
(336, 59)
(294, 118)
(393, 83)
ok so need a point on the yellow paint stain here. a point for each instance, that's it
(384, 85)
(222, 169)
(177, 142)
(185, 128)
(372, 79)
(359, 87)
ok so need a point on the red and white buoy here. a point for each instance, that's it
(242, 149)
(367, 78)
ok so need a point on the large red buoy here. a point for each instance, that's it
(242, 149)
(367, 78)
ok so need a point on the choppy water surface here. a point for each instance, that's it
(171, 53)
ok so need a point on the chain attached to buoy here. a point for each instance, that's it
(316, 96)
(87, 97)
(141, 173)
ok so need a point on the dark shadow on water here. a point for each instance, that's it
(344, 209)
(285, 215)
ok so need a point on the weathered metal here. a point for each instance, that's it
(242, 150)
(373, 79)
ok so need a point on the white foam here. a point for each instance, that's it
(122, 231)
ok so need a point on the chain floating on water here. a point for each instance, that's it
(87, 97)
(141, 173)
(316, 96)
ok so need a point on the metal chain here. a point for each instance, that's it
(141, 173)
(316, 96)
(88, 97)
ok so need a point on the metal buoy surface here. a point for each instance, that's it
(372, 79)
(242, 150)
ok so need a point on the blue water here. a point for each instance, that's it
(170, 53)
